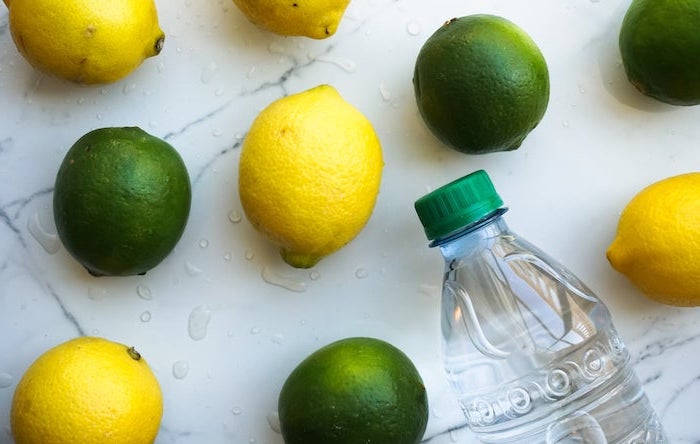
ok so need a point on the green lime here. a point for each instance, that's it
(481, 84)
(121, 201)
(354, 391)
(660, 49)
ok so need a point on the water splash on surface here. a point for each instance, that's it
(5, 380)
(235, 216)
(192, 270)
(273, 420)
(198, 322)
(181, 369)
(414, 28)
(279, 280)
(144, 292)
(48, 241)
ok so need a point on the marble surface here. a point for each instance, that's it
(223, 320)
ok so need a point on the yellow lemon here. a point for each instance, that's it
(309, 174)
(89, 391)
(317, 19)
(657, 245)
(86, 41)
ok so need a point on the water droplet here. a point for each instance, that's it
(192, 270)
(80, 100)
(227, 256)
(249, 254)
(277, 338)
(314, 275)
(581, 89)
(361, 273)
(384, 91)
(273, 419)
(255, 330)
(181, 369)
(252, 440)
(236, 410)
(273, 278)
(48, 241)
(203, 243)
(208, 72)
(219, 92)
(565, 123)
(128, 88)
(235, 216)
(341, 62)
(145, 316)
(153, 124)
(97, 293)
(198, 322)
(98, 116)
(414, 28)
(5, 380)
(103, 92)
(251, 71)
(144, 292)
(160, 67)
(217, 133)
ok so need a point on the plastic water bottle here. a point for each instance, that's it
(531, 353)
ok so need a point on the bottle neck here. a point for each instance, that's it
(489, 226)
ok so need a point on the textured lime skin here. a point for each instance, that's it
(121, 201)
(353, 391)
(481, 84)
(660, 49)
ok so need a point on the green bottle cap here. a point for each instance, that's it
(457, 204)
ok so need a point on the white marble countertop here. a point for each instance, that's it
(598, 144)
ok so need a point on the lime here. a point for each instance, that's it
(121, 201)
(659, 45)
(481, 84)
(356, 390)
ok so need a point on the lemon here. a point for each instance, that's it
(89, 391)
(657, 245)
(86, 41)
(355, 390)
(481, 84)
(317, 19)
(121, 201)
(659, 45)
(309, 174)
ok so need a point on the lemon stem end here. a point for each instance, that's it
(136, 356)
(298, 260)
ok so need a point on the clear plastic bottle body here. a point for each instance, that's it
(530, 351)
